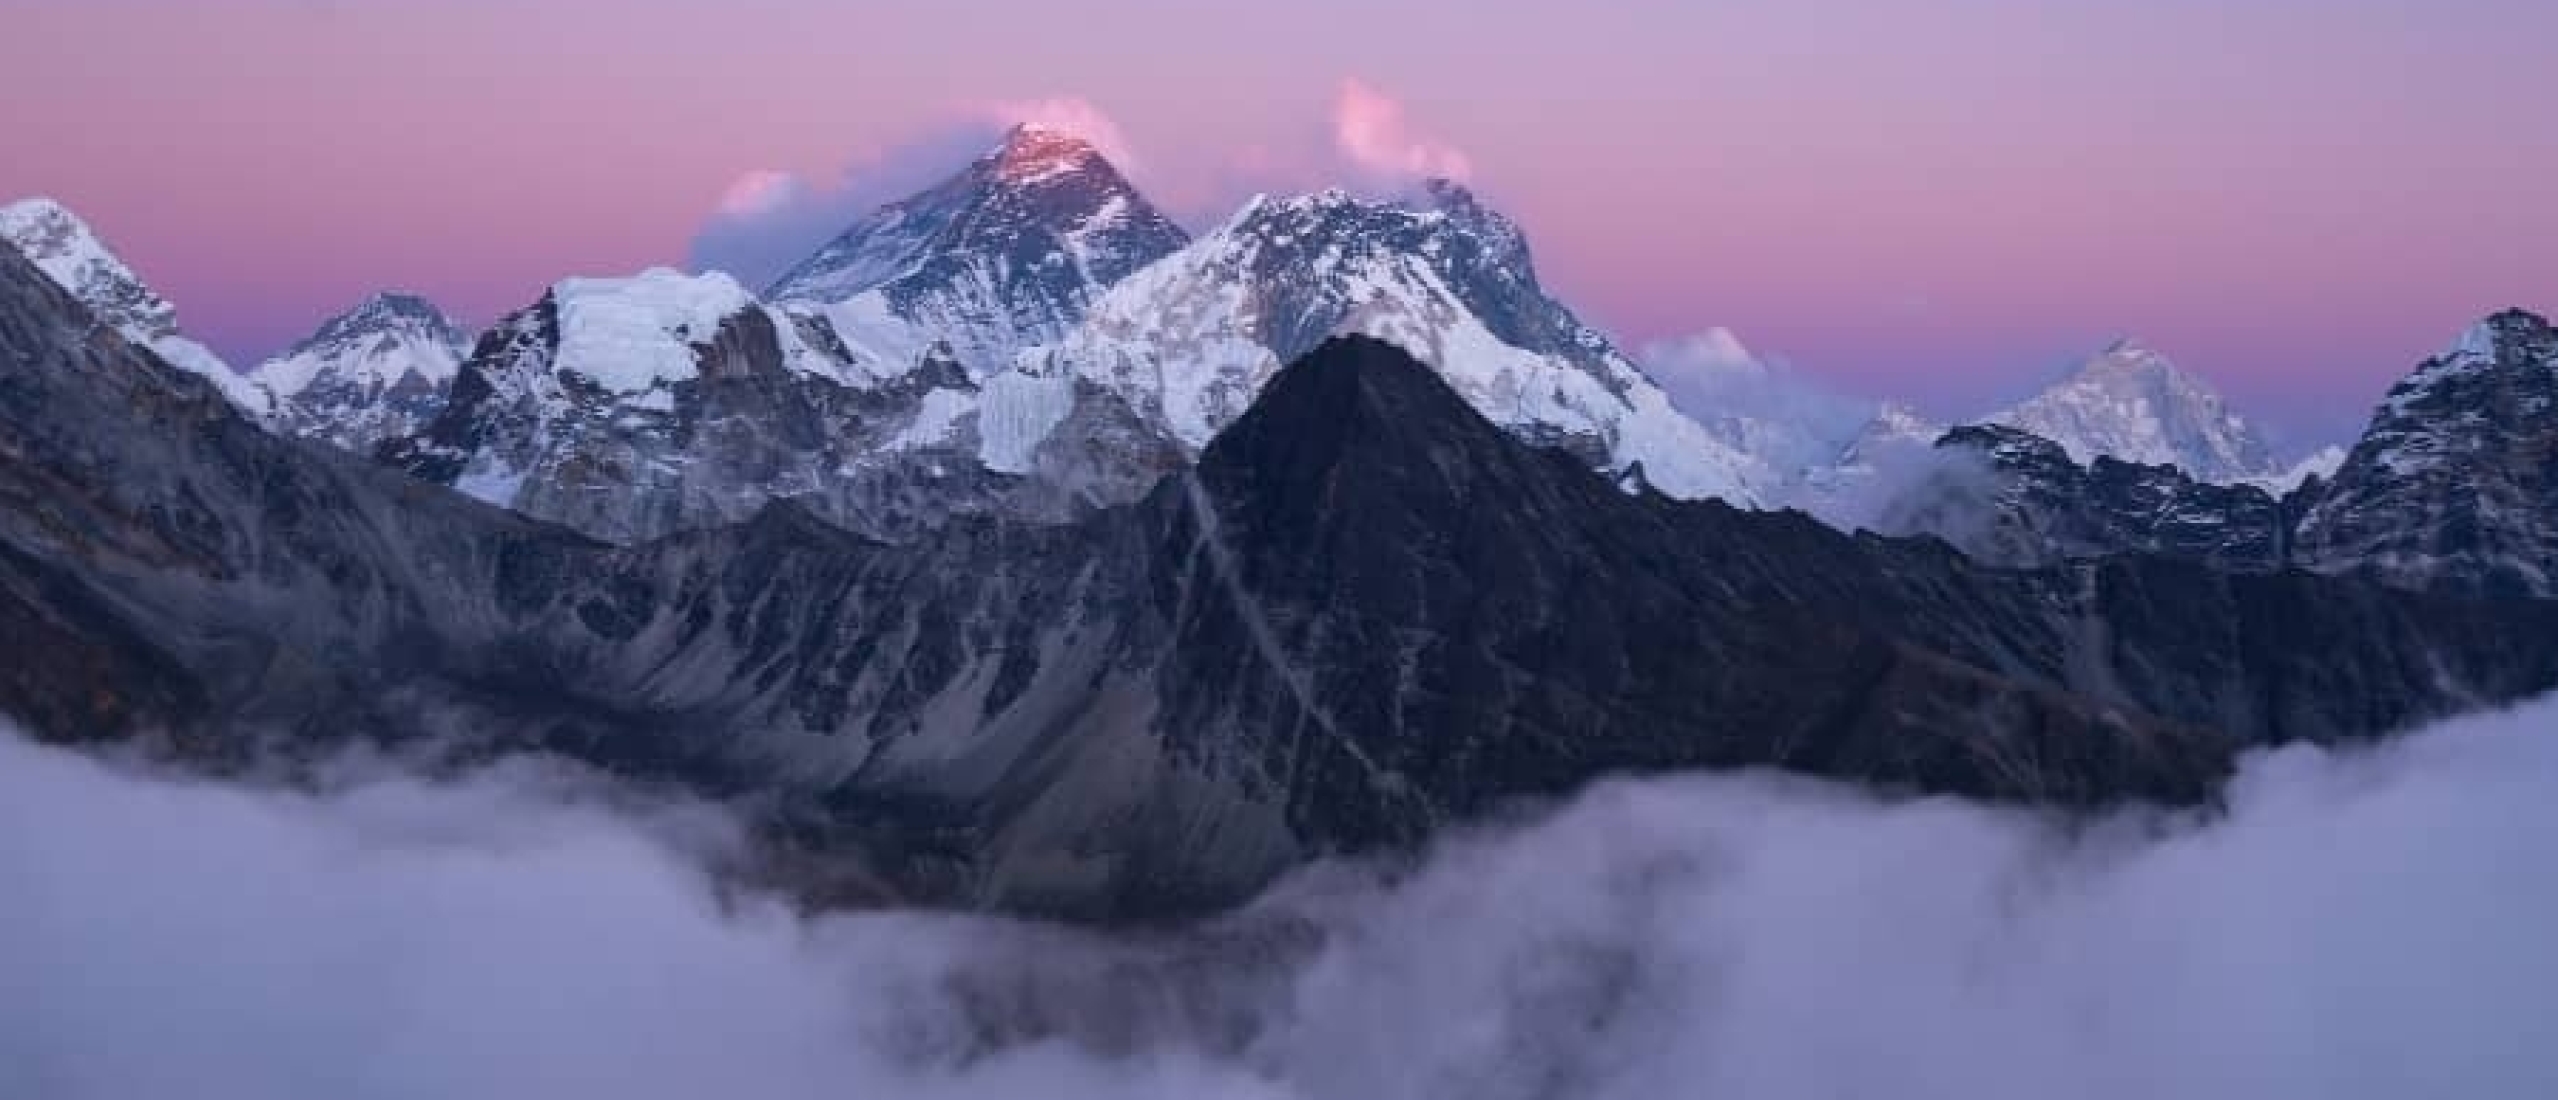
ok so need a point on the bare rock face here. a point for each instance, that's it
(2455, 484)
(1366, 613)
(2021, 500)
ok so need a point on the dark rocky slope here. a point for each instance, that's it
(1365, 613)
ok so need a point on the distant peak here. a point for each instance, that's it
(1031, 152)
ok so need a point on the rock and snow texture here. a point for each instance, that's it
(2455, 483)
(638, 407)
(78, 260)
(605, 406)
(2130, 403)
(375, 372)
(1005, 255)
(1190, 341)
(2321, 464)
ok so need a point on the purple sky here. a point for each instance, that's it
(1945, 201)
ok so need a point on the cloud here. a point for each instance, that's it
(1768, 407)
(1370, 131)
(1707, 361)
(2348, 925)
(760, 193)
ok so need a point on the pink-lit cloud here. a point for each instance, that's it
(1371, 130)
(761, 192)
(767, 220)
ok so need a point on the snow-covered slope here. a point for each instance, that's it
(1005, 255)
(636, 407)
(77, 259)
(2130, 403)
(379, 370)
(1190, 341)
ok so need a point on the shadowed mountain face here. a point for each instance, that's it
(1365, 613)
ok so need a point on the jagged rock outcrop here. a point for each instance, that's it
(2013, 498)
(2454, 486)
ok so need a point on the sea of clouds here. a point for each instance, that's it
(2362, 924)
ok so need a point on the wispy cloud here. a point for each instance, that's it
(1371, 130)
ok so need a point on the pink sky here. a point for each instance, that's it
(1944, 201)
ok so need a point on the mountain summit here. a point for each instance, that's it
(78, 260)
(379, 370)
(1002, 256)
(2130, 403)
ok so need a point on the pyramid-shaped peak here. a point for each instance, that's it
(1031, 153)
(382, 312)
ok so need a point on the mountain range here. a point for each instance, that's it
(1032, 337)
(1019, 550)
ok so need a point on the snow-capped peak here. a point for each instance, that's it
(74, 256)
(2131, 403)
(1190, 341)
(379, 370)
(375, 343)
(1004, 255)
(1032, 154)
